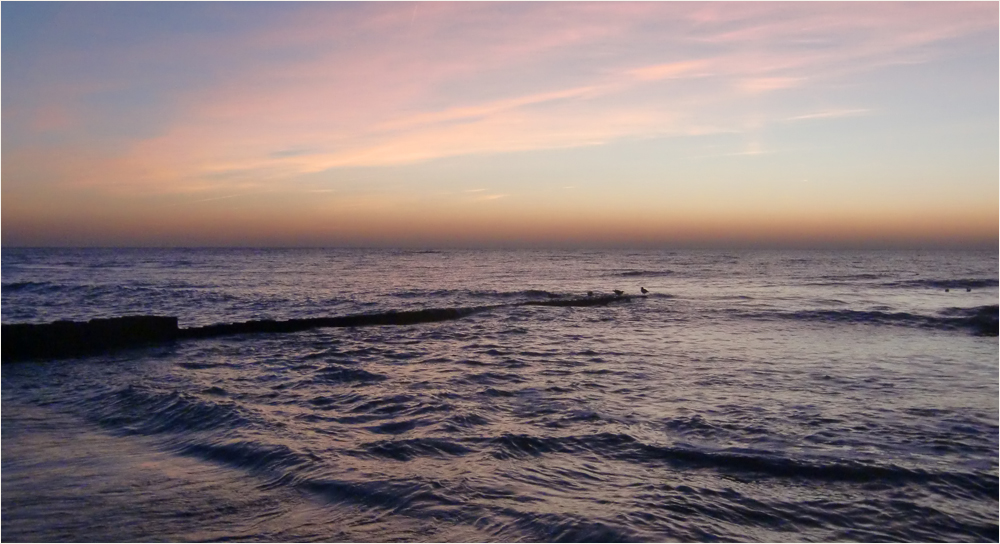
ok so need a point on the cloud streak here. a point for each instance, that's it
(830, 114)
(291, 93)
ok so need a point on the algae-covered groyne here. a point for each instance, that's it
(61, 339)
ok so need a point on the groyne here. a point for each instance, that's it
(65, 339)
(77, 338)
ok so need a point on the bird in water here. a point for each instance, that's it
(644, 290)
(619, 293)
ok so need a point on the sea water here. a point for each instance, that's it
(751, 396)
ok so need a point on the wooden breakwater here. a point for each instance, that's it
(63, 339)
(76, 338)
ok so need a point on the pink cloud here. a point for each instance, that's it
(382, 85)
(762, 84)
(691, 68)
(830, 114)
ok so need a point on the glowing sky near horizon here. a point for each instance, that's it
(485, 124)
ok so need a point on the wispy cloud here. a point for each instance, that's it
(830, 114)
(763, 84)
(479, 111)
(215, 198)
(673, 70)
(401, 86)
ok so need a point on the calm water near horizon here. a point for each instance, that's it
(751, 396)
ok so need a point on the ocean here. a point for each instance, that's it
(750, 396)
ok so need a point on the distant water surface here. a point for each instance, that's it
(752, 396)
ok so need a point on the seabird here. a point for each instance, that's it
(644, 290)
(590, 293)
(968, 289)
(619, 293)
(947, 290)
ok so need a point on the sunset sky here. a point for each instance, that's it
(500, 124)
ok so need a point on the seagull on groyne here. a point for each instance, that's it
(644, 290)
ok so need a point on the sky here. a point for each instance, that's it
(653, 124)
